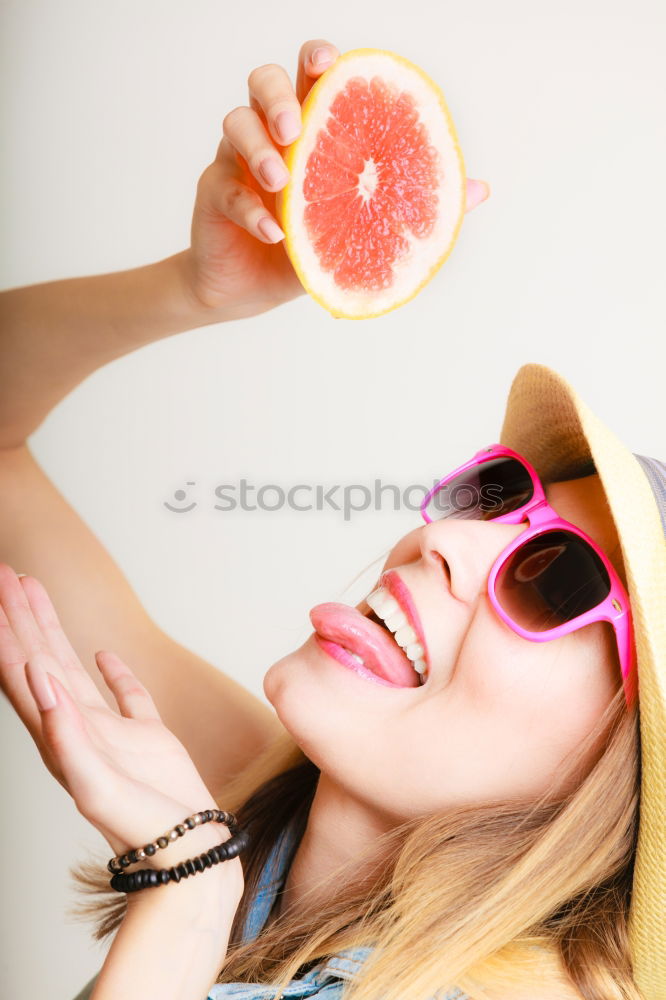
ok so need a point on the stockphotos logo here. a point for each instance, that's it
(459, 499)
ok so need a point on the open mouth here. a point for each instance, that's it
(403, 636)
(390, 606)
(363, 642)
(371, 616)
(382, 635)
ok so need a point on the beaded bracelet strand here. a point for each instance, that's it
(148, 877)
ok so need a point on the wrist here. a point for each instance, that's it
(221, 880)
(179, 278)
(195, 841)
(174, 934)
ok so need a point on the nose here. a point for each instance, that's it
(466, 551)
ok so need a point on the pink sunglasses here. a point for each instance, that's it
(553, 578)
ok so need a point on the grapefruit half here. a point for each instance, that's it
(376, 194)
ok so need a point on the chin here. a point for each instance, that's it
(298, 691)
(282, 674)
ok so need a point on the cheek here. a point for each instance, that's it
(498, 673)
(528, 705)
(502, 726)
(505, 675)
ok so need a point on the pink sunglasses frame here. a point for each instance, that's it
(541, 517)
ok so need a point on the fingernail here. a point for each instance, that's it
(19, 575)
(270, 230)
(273, 171)
(288, 126)
(487, 194)
(41, 687)
(321, 56)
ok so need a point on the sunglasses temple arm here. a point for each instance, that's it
(625, 644)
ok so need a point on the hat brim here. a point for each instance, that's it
(547, 422)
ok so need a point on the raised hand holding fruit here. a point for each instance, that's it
(237, 249)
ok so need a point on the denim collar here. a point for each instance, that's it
(271, 880)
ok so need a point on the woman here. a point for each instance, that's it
(476, 833)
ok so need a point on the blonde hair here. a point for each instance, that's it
(491, 898)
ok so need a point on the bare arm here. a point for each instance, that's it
(173, 939)
(161, 951)
(54, 334)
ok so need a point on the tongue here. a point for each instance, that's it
(374, 644)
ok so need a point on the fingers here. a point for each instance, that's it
(39, 682)
(315, 56)
(273, 117)
(274, 99)
(134, 700)
(75, 676)
(12, 661)
(272, 95)
(30, 630)
(18, 615)
(222, 194)
(31, 627)
(246, 133)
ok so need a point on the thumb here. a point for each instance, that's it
(133, 698)
(476, 192)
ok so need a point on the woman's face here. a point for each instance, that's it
(498, 713)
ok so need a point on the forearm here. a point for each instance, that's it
(54, 334)
(173, 939)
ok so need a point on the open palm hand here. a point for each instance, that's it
(127, 773)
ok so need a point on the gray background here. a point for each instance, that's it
(111, 113)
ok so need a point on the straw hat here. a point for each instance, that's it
(547, 422)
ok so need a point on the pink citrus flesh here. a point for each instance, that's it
(377, 185)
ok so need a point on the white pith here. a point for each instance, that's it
(387, 608)
(424, 254)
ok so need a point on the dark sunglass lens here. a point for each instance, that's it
(550, 580)
(483, 492)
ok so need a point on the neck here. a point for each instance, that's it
(339, 831)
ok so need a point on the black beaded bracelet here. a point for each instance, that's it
(147, 877)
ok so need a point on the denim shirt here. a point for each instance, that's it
(325, 981)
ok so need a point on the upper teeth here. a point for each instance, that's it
(387, 608)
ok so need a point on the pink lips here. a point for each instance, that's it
(347, 627)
